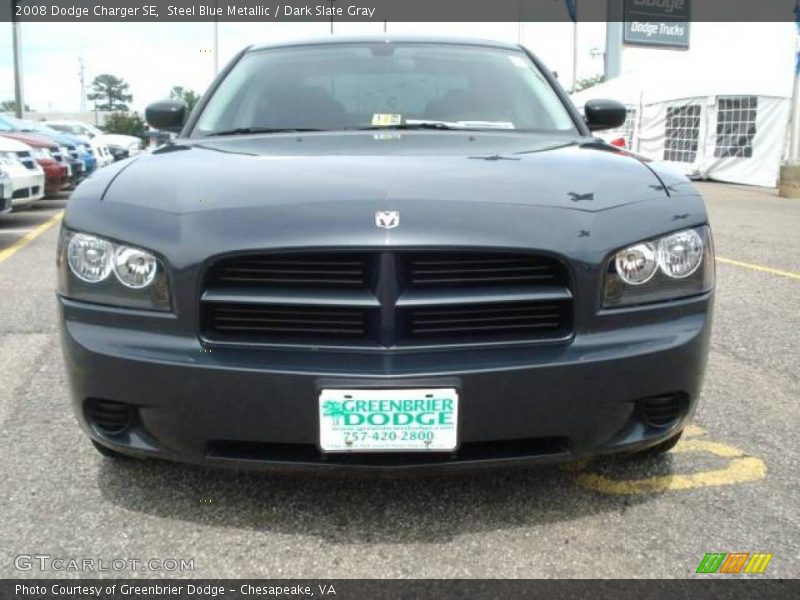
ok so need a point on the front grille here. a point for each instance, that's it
(286, 322)
(21, 193)
(399, 298)
(468, 269)
(26, 159)
(292, 270)
(498, 321)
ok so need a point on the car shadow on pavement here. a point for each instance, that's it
(429, 509)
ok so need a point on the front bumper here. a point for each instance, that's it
(27, 186)
(55, 175)
(258, 407)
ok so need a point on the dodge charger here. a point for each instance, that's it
(384, 254)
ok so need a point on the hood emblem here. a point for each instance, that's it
(387, 219)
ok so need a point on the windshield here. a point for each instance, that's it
(355, 86)
(6, 125)
(31, 126)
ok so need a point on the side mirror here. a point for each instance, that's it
(604, 114)
(166, 115)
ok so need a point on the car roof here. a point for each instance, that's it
(386, 39)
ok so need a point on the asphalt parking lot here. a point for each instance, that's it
(730, 486)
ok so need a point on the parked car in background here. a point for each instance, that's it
(74, 146)
(129, 143)
(5, 191)
(118, 152)
(36, 155)
(102, 153)
(24, 178)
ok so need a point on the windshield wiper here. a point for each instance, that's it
(251, 130)
(431, 125)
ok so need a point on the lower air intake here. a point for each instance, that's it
(110, 417)
(661, 411)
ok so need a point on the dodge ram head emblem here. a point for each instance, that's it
(387, 219)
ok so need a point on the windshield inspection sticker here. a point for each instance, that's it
(385, 119)
(518, 61)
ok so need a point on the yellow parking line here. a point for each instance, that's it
(740, 469)
(30, 236)
(755, 267)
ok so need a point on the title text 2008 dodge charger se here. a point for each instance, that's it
(379, 254)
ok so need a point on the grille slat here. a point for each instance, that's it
(386, 298)
(480, 269)
(276, 323)
(491, 323)
(313, 270)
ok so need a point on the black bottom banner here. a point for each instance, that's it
(412, 589)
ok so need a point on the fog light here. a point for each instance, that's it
(110, 417)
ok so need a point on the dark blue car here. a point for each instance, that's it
(385, 254)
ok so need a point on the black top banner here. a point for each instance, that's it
(391, 10)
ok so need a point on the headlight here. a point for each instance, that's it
(63, 150)
(666, 268)
(89, 257)
(40, 153)
(680, 254)
(637, 265)
(134, 268)
(5, 187)
(94, 269)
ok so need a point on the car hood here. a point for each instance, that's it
(117, 139)
(61, 140)
(387, 168)
(35, 140)
(8, 144)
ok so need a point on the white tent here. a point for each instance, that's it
(721, 125)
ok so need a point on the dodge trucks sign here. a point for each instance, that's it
(662, 23)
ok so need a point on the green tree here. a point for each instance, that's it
(125, 124)
(110, 93)
(188, 97)
(11, 106)
(588, 82)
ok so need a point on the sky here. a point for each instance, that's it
(153, 58)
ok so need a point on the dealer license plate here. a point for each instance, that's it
(388, 420)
